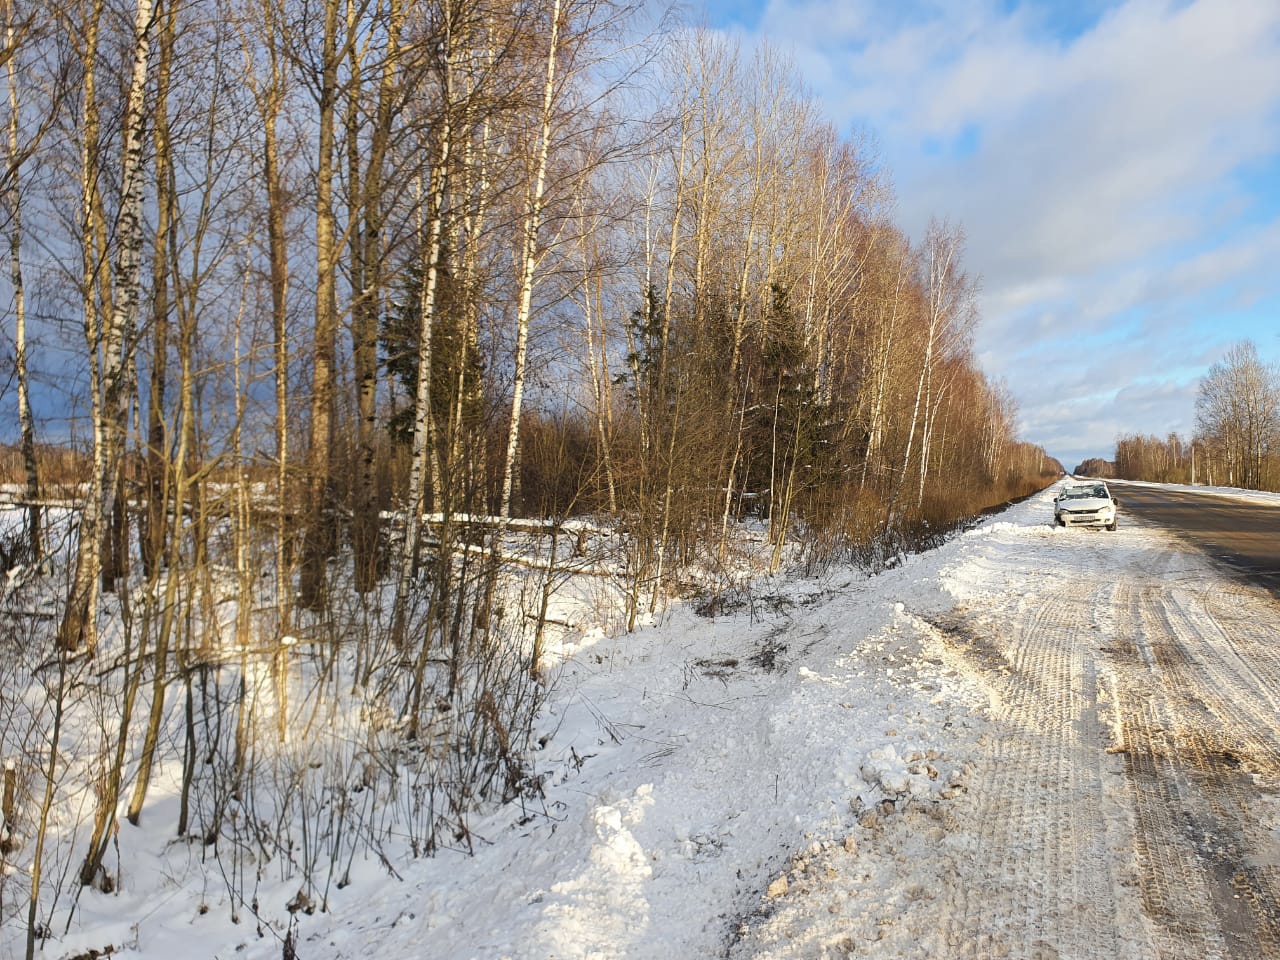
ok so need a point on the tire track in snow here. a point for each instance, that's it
(1209, 670)
(1247, 621)
(1153, 833)
(1176, 894)
(1125, 804)
(1031, 884)
(1192, 721)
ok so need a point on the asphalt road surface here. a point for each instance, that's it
(1244, 536)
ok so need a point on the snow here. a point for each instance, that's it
(772, 781)
(1235, 493)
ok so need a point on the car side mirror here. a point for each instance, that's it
(1116, 501)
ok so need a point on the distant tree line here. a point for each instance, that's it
(324, 297)
(1095, 467)
(1160, 460)
(1237, 438)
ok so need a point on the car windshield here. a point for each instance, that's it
(1075, 492)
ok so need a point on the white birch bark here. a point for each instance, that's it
(950, 321)
(116, 393)
(78, 628)
(529, 251)
(122, 332)
(420, 465)
(14, 203)
(319, 534)
(109, 386)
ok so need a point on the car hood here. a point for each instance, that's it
(1084, 503)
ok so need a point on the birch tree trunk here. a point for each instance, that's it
(161, 472)
(597, 346)
(940, 247)
(111, 392)
(423, 423)
(270, 101)
(119, 371)
(368, 253)
(13, 201)
(925, 363)
(164, 257)
(116, 395)
(319, 535)
(528, 262)
(950, 319)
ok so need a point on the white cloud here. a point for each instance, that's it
(1251, 253)
(1097, 172)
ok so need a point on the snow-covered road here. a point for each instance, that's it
(1124, 801)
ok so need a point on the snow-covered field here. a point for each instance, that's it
(898, 765)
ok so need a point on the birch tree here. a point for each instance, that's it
(11, 183)
(948, 318)
(528, 256)
(368, 248)
(118, 345)
(111, 387)
(430, 242)
(319, 537)
(162, 266)
(1238, 411)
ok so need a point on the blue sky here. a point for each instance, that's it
(1115, 166)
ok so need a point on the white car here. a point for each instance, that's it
(1085, 505)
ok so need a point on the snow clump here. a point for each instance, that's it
(897, 777)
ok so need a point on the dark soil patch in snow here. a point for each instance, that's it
(759, 606)
(960, 632)
(717, 668)
(769, 657)
(724, 602)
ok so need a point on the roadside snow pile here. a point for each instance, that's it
(915, 776)
(706, 775)
(1234, 493)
